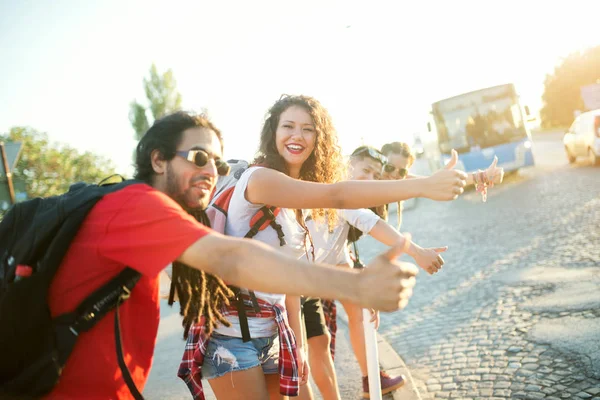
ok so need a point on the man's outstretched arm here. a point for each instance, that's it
(385, 285)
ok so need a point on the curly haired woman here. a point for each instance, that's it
(298, 166)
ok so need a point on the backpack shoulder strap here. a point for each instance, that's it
(264, 217)
(108, 297)
(41, 231)
(218, 209)
(217, 213)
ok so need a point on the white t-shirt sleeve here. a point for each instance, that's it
(344, 257)
(239, 194)
(362, 219)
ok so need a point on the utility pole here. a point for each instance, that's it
(8, 174)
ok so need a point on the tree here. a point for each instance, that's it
(46, 169)
(162, 98)
(562, 94)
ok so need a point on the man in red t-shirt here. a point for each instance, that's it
(146, 227)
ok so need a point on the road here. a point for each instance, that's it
(515, 313)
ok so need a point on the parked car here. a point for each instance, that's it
(583, 137)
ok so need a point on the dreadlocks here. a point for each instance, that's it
(199, 293)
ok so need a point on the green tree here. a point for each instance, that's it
(46, 169)
(562, 94)
(162, 98)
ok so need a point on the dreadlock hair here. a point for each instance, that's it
(199, 293)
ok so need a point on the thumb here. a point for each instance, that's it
(440, 249)
(493, 165)
(399, 249)
(453, 160)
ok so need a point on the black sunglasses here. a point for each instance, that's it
(374, 154)
(389, 168)
(201, 157)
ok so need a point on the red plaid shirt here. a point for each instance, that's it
(190, 369)
(330, 312)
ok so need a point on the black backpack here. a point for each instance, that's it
(34, 347)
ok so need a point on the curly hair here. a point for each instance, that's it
(325, 163)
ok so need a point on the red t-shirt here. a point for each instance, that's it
(138, 227)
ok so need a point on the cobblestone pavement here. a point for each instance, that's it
(515, 313)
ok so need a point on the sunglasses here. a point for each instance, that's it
(389, 168)
(374, 154)
(201, 157)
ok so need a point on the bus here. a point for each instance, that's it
(480, 125)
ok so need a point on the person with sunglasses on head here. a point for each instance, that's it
(154, 222)
(298, 166)
(331, 247)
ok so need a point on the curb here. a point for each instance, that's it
(389, 361)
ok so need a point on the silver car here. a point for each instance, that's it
(583, 137)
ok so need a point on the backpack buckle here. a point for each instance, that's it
(126, 293)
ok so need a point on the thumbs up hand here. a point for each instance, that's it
(494, 173)
(386, 284)
(447, 183)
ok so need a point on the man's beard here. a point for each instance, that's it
(176, 193)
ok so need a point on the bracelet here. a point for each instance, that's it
(481, 183)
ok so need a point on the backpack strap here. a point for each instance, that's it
(264, 217)
(90, 311)
(241, 309)
(357, 263)
(120, 359)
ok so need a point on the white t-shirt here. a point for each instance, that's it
(239, 215)
(331, 247)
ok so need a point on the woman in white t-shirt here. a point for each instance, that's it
(298, 166)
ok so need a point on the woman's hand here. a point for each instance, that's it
(495, 174)
(303, 368)
(430, 260)
(375, 317)
(445, 184)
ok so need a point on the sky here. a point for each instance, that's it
(71, 68)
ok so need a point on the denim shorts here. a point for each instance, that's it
(226, 354)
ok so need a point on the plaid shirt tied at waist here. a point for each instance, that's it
(190, 369)
(330, 312)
